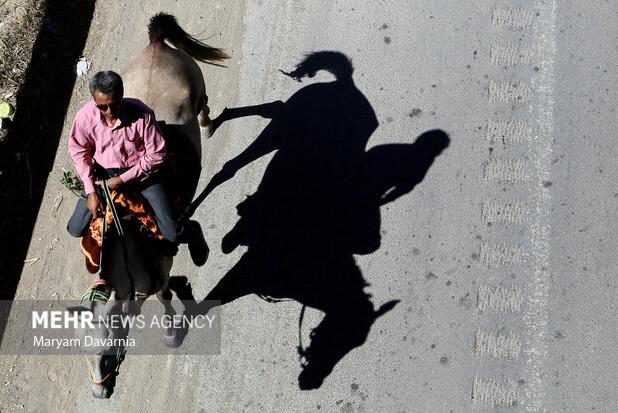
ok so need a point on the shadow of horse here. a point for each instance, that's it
(318, 203)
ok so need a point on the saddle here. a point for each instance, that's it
(128, 203)
(180, 161)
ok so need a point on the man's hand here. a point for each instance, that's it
(112, 183)
(93, 203)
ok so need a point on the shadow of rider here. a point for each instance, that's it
(318, 203)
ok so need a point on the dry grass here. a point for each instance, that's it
(20, 21)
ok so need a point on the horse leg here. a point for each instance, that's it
(204, 112)
(165, 297)
(341, 330)
(172, 336)
(181, 286)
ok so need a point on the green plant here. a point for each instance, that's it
(71, 181)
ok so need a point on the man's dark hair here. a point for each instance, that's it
(106, 82)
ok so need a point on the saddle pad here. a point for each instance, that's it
(125, 202)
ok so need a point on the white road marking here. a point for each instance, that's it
(507, 131)
(497, 345)
(503, 299)
(511, 17)
(539, 93)
(501, 254)
(508, 91)
(537, 284)
(506, 170)
(501, 211)
(494, 393)
(509, 55)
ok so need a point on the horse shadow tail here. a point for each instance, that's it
(336, 63)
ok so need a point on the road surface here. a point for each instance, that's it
(503, 257)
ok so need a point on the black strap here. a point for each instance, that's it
(116, 218)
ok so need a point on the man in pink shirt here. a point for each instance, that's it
(118, 139)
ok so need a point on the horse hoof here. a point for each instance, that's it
(208, 130)
(101, 392)
(171, 338)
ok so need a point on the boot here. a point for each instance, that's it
(167, 248)
(191, 234)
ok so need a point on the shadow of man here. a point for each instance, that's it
(318, 204)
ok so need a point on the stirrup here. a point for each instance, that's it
(99, 290)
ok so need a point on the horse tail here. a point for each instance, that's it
(336, 63)
(164, 26)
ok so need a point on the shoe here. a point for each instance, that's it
(167, 248)
(198, 248)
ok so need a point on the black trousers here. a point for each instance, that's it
(152, 189)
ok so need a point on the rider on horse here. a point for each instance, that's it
(118, 140)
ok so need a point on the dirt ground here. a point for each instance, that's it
(49, 263)
(41, 91)
(20, 21)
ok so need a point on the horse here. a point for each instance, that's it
(169, 81)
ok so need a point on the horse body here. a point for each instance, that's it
(135, 265)
(170, 82)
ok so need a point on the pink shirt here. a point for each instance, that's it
(134, 141)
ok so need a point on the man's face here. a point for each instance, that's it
(108, 104)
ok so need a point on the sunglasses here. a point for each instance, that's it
(104, 107)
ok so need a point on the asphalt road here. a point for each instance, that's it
(503, 257)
